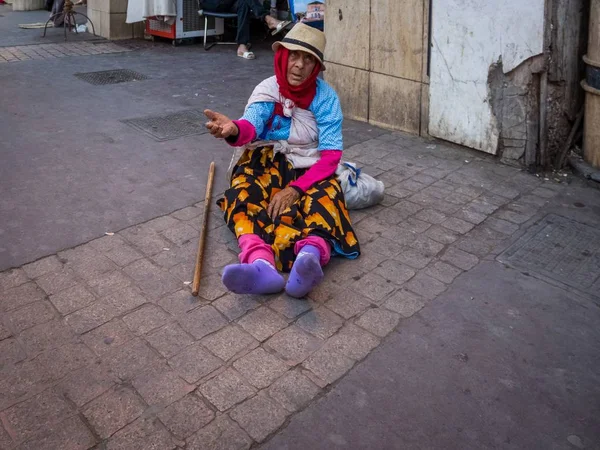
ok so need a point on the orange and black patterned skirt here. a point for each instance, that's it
(257, 177)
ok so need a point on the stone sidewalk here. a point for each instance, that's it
(103, 346)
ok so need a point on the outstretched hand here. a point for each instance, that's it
(282, 201)
(219, 125)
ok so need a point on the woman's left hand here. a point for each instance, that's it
(282, 201)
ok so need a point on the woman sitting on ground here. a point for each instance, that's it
(285, 205)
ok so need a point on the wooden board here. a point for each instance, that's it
(397, 38)
(395, 103)
(352, 86)
(347, 32)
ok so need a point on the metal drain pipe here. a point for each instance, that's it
(591, 84)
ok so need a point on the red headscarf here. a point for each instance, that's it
(302, 95)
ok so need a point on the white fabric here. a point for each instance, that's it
(138, 10)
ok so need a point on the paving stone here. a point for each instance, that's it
(123, 255)
(107, 243)
(469, 191)
(325, 290)
(458, 225)
(459, 258)
(20, 296)
(189, 213)
(46, 336)
(515, 217)
(146, 433)
(211, 287)
(544, 192)
(404, 303)
(458, 199)
(43, 266)
(328, 365)
(72, 299)
(92, 316)
(147, 241)
(373, 287)
(481, 205)
(11, 352)
(436, 192)
(260, 368)
(42, 412)
(288, 306)
(106, 337)
(501, 226)
(424, 179)
(260, 416)
(383, 246)
(160, 223)
(110, 283)
(126, 299)
(113, 410)
(533, 200)
(91, 267)
(263, 323)
(158, 384)
(180, 302)
(427, 246)
(84, 385)
(378, 321)
(395, 272)
(413, 258)
(202, 321)
(221, 434)
(348, 303)
(446, 207)
(353, 342)
(145, 319)
(127, 360)
(431, 216)
(154, 281)
(54, 282)
(293, 391)
(388, 216)
(477, 246)
(180, 233)
(426, 286)
(226, 389)
(320, 322)
(5, 441)
(186, 416)
(71, 434)
(411, 185)
(169, 340)
(228, 342)
(194, 363)
(65, 359)
(399, 191)
(294, 345)
(470, 216)
(443, 272)
(414, 225)
(4, 332)
(29, 316)
(12, 278)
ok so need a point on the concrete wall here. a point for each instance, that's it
(469, 37)
(108, 17)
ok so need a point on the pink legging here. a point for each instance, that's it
(253, 248)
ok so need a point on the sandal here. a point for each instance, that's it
(280, 26)
(247, 55)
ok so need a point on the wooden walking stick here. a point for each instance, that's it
(203, 229)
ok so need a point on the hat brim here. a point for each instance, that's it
(301, 48)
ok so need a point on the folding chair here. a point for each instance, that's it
(216, 15)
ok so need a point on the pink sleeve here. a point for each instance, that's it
(246, 133)
(322, 170)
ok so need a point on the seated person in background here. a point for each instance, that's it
(246, 10)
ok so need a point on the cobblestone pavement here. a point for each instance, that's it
(103, 344)
(51, 51)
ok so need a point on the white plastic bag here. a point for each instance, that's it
(360, 190)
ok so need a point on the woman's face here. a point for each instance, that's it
(300, 66)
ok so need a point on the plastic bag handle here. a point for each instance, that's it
(356, 171)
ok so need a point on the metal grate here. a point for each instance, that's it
(191, 20)
(172, 126)
(560, 249)
(111, 76)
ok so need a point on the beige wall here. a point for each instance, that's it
(108, 17)
(377, 61)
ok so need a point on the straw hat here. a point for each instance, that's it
(305, 38)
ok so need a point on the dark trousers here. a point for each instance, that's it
(246, 10)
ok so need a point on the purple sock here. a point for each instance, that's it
(306, 272)
(256, 278)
